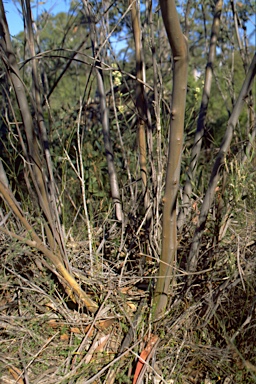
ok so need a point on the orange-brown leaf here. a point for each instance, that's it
(143, 357)
(64, 337)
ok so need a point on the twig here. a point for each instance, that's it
(92, 379)
(147, 366)
(37, 354)
(81, 346)
(241, 273)
(178, 351)
(82, 180)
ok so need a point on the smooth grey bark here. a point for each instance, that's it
(115, 194)
(202, 115)
(169, 232)
(217, 167)
(3, 176)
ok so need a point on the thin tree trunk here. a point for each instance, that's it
(115, 193)
(239, 42)
(202, 116)
(108, 148)
(169, 237)
(187, 23)
(158, 179)
(141, 102)
(219, 162)
(3, 176)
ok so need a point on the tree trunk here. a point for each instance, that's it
(169, 236)
(115, 193)
(141, 102)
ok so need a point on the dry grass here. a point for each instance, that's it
(207, 335)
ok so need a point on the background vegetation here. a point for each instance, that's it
(87, 127)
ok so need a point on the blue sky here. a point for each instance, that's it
(54, 6)
(14, 18)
